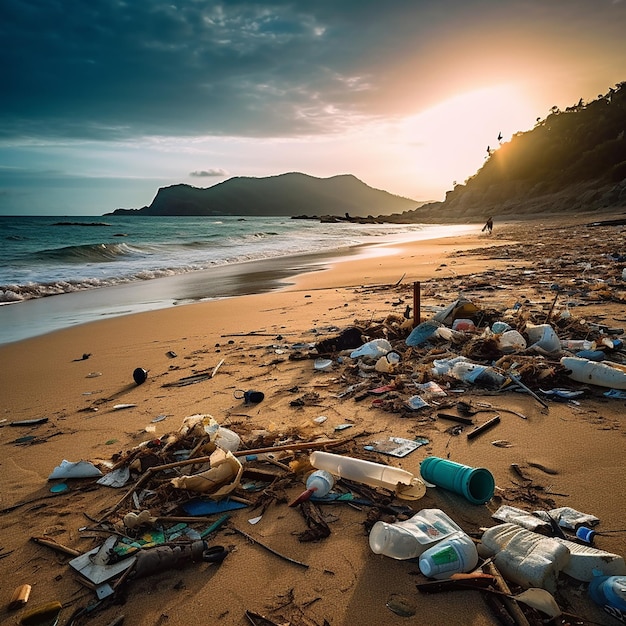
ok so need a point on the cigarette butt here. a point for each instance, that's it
(19, 597)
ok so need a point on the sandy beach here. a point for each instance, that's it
(569, 453)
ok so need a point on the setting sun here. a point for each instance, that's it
(452, 138)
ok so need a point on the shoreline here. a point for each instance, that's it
(35, 317)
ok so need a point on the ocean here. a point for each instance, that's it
(56, 272)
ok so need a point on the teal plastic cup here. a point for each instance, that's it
(476, 484)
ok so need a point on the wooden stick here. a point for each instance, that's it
(511, 605)
(483, 427)
(329, 443)
(55, 546)
(282, 556)
(456, 418)
(417, 309)
(549, 315)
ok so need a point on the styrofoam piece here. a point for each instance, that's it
(603, 374)
(77, 469)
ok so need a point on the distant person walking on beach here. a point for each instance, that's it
(488, 225)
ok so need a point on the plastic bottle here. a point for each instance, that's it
(223, 438)
(410, 538)
(453, 555)
(525, 557)
(605, 374)
(475, 373)
(585, 560)
(532, 560)
(375, 349)
(318, 484)
(577, 344)
(610, 593)
(359, 470)
(227, 439)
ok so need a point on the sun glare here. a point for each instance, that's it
(454, 136)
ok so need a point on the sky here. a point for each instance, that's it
(104, 102)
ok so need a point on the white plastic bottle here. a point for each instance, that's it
(453, 555)
(410, 538)
(360, 470)
(320, 482)
(586, 561)
(605, 374)
(524, 557)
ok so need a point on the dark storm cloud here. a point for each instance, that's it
(112, 68)
(117, 69)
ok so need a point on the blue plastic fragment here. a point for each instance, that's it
(208, 507)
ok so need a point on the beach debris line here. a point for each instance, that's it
(147, 541)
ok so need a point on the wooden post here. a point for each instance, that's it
(416, 304)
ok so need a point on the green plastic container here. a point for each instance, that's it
(476, 484)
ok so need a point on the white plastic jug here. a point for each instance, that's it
(410, 538)
(583, 560)
(524, 557)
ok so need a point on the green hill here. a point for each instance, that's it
(572, 161)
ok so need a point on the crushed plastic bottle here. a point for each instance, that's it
(375, 349)
(410, 538)
(481, 375)
(524, 557)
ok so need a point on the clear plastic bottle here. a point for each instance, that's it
(577, 344)
(410, 538)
